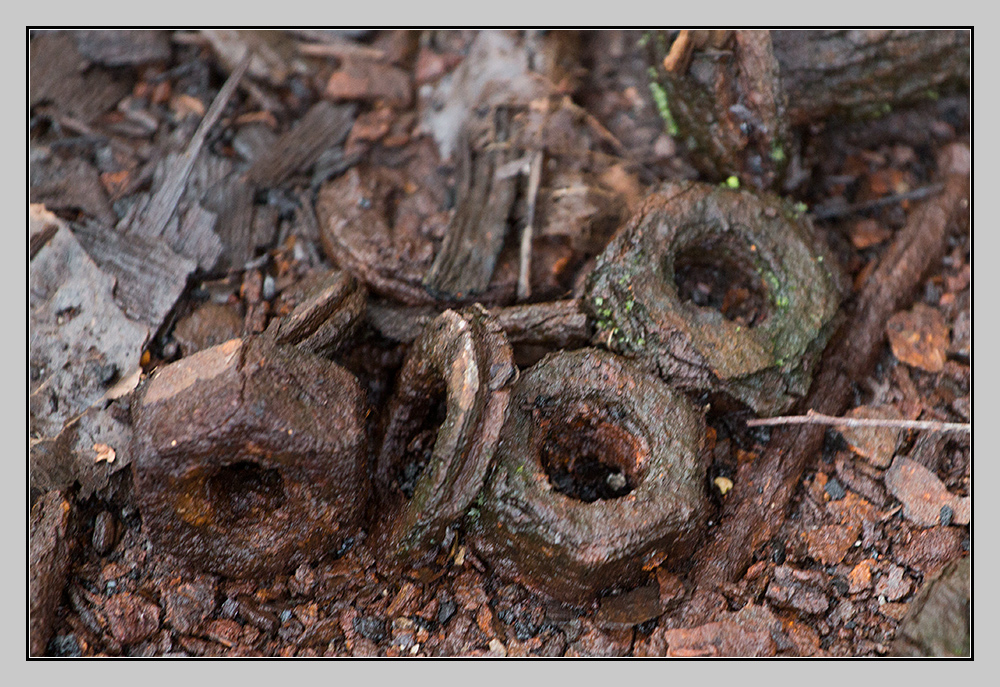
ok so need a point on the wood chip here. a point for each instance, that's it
(923, 495)
(919, 337)
(875, 444)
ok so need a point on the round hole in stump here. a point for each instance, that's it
(589, 454)
(720, 273)
(420, 445)
(245, 491)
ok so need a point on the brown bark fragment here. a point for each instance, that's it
(49, 548)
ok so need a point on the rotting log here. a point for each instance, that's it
(867, 73)
(756, 506)
(734, 100)
(599, 477)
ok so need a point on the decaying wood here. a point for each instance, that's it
(561, 324)
(80, 341)
(149, 276)
(524, 272)
(57, 77)
(322, 127)
(49, 559)
(757, 505)
(163, 204)
(468, 255)
(735, 107)
(867, 72)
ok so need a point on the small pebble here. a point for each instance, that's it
(616, 481)
(105, 534)
(446, 610)
(835, 490)
(268, 291)
(370, 627)
(947, 513)
(64, 645)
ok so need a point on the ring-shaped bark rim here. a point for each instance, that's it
(571, 549)
(468, 354)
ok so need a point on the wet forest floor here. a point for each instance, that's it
(350, 150)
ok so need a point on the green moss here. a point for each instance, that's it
(732, 182)
(777, 152)
(662, 106)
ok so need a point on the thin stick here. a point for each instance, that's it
(340, 49)
(163, 204)
(915, 194)
(524, 275)
(813, 418)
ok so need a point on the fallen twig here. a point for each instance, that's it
(813, 418)
(340, 49)
(524, 274)
(163, 204)
(915, 194)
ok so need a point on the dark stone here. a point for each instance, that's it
(446, 609)
(835, 489)
(105, 532)
(64, 645)
(370, 627)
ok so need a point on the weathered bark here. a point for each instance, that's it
(756, 507)
(468, 255)
(561, 324)
(328, 316)
(866, 73)
(426, 475)
(49, 558)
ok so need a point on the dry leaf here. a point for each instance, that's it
(105, 453)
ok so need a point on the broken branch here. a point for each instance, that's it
(813, 418)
